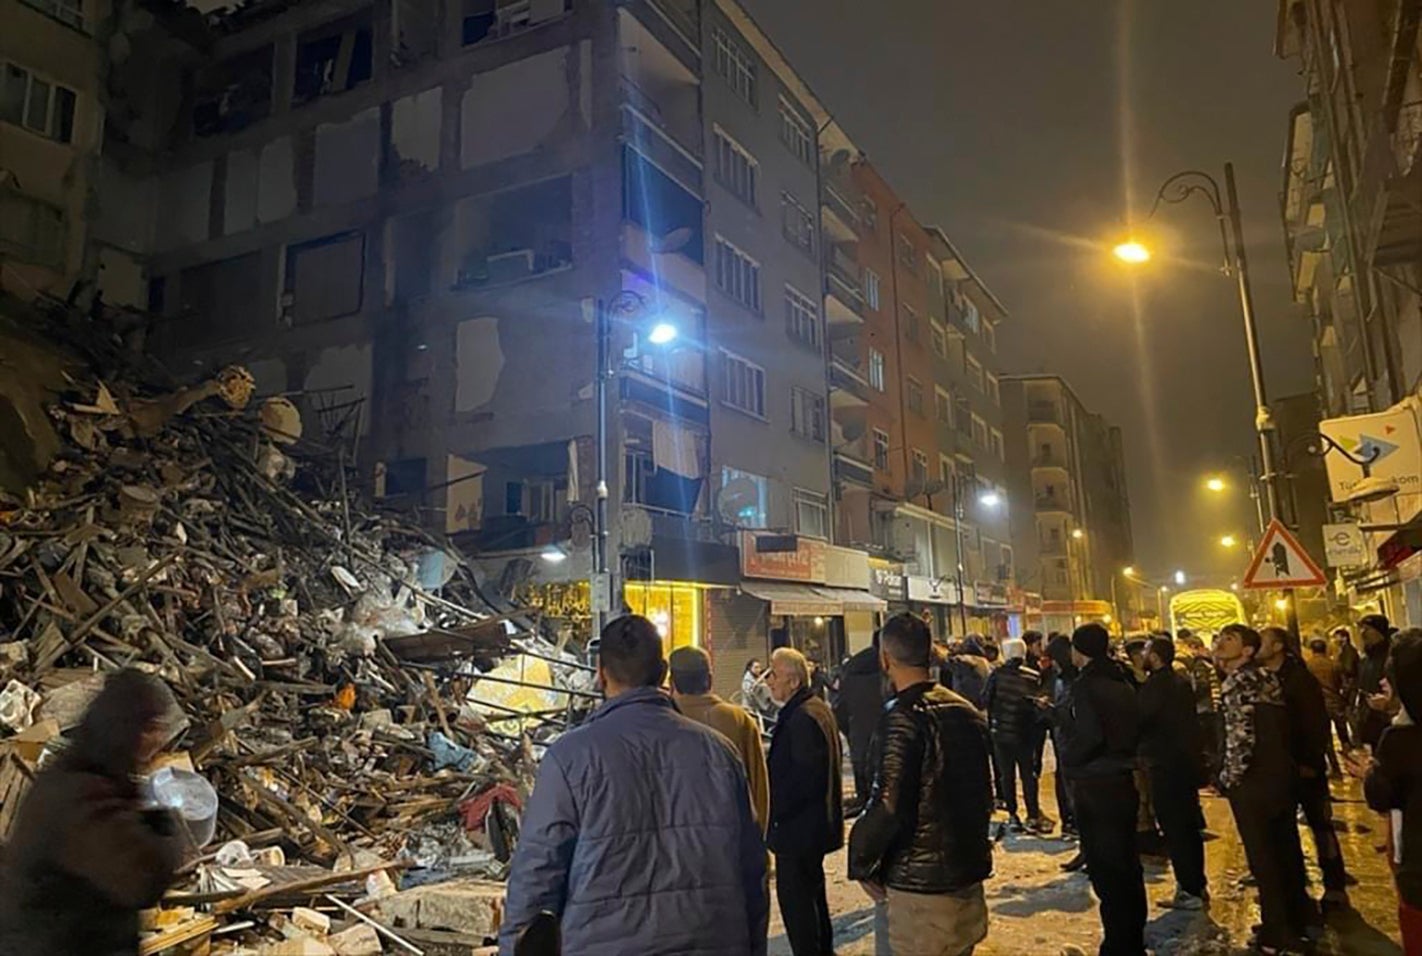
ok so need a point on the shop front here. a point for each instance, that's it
(1067, 616)
(987, 609)
(1024, 612)
(675, 599)
(936, 600)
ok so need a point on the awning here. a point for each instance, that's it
(795, 599)
(814, 600)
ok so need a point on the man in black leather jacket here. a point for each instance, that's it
(923, 838)
(1100, 732)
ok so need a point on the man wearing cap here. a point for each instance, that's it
(691, 689)
(1100, 732)
(1373, 709)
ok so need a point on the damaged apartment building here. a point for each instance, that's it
(408, 216)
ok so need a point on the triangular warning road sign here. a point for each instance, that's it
(1281, 562)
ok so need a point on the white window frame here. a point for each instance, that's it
(876, 369)
(736, 66)
(797, 135)
(975, 372)
(871, 289)
(942, 401)
(50, 128)
(913, 395)
(906, 253)
(938, 337)
(880, 437)
(736, 167)
(742, 385)
(802, 317)
(807, 414)
(994, 390)
(980, 425)
(762, 487)
(816, 502)
(996, 444)
(737, 274)
(913, 323)
(796, 224)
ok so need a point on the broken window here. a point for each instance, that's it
(495, 19)
(215, 299)
(669, 213)
(37, 104)
(233, 94)
(324, 278)
(333, 58)
(415, 28)
(515, 234)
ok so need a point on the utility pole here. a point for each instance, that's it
(599, 588)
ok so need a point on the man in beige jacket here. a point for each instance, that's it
(691, 689)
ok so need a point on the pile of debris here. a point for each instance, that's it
(368, 719)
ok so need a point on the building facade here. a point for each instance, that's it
(1070, 507)
(1352, 213)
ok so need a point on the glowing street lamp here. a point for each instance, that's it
(1077, 533)
(990, 499)
(1131, 251)
(663, 333)
(1180, 578)
(1216, 485)
(1129, 572)
(1228, 541)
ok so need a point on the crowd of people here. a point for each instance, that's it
(653, 827)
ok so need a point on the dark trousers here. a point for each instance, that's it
(800, 890)
(1177, 810)
(1318, 811)
(863, 777)
(1211, 726)
(1014, 758)
(1270, 834)
(1106, 818)
(1064, 807)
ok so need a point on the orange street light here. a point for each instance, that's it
(1131, 251)
(1216, 485)
(1228, 541)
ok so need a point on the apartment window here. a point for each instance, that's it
(876, 369)
(871, 289)
(943, 406)
(993, 389)
(324, 278)
(795, 133)
(990, 337)
(737, 275)
(65, 11)
(333, 58)
(881, 450)
(975, 373)
(869, 215)
(906, 254)
(36, 104)
(735, 66)
(920, 468)
(31, 230)
(995, 444)
(743, 385)
(940, 341)
(811, 514)
(1007, 562)
(913, 392)
(970, 315)
(736, 169)
(750, 501)
(807, 414)
(910, 324)
(946, 471)
(802, 318)
(797, 224)
(980, 432)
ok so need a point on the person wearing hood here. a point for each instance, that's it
(861, 698)
(1101, 731)
(86, 853)
(967, 672)
(1372, 709)
(1392, 783)
(1063, 674)
(1013, 696)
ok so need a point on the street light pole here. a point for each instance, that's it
(600, 583)
(958, 519)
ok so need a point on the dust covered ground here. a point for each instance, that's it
(1037, 909)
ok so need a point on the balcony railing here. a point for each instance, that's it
(845, 376)
(1049, 460)
(843, 285)
(838, 202)
(1052, 503)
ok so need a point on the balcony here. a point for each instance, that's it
(1393, 165)
(844, 302)
(1044, 413)
(1052, 503)
(852, 462)
(841, 215)
(848, 387)
(1050, 460)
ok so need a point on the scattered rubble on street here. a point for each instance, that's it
(329, 657)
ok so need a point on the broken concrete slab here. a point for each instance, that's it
(474, 907)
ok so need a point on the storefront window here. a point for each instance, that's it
(675, 609)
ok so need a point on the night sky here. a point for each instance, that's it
(1027, 130)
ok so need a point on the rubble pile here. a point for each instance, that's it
(367, 719)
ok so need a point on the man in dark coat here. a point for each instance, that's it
(1171, 750)
(1371, 708)
(1101, 732)
(1392, 784)
(967, 672)
(1309, 739)
(639, 834)
(85, 856)
(1013, 697)
(1257, 777)
(806, 805)
(861, 698)
(1064, 674)
(923, 838)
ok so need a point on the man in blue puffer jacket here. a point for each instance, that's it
(639, 834)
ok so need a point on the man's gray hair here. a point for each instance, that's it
(795, 661)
